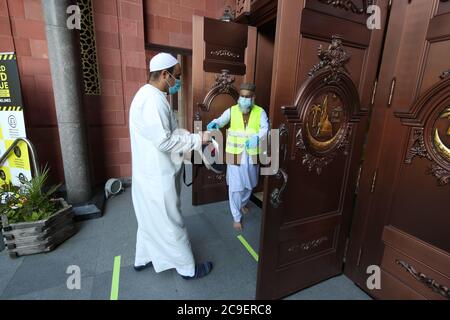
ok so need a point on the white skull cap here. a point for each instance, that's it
(162, 61)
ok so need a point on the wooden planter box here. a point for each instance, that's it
(27, 238)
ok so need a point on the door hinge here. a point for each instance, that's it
(374, 92)
(358, 180)
(358, 261)
(374, 181)
(346, 249)
(391, 94)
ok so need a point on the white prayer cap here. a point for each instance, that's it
(162, 61)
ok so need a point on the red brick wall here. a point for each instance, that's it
(122, 63)
(119, 28)
(169, 22)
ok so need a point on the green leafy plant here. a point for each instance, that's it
(29, 202)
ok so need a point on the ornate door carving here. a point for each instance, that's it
(326, 106)
(402, 212)
(326, 95)
(429, 137)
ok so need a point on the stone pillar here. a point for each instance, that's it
(65, 63)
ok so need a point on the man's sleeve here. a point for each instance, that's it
(224, 119)
(264, 125)
(157, 128)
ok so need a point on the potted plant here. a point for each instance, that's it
(32, 220)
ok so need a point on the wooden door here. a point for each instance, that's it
(403, 211)
(224, 56)
(323, 116)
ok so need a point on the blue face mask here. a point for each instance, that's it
(245, 104)
(174, 89)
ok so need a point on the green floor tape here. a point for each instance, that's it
(115, 279)
(248, 247)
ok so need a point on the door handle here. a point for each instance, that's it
(275, 197)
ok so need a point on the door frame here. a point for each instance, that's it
(204, 87)
(261, 12)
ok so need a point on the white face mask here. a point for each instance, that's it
(245, 104)
(175, 88)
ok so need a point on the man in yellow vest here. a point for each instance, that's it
(248, 125)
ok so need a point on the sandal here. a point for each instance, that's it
(140, 268)
(201, 270)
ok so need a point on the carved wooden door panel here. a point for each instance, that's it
(321, 102)
(403, 210)
(224, 56)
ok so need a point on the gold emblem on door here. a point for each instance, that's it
(324, 120)
(442, 134)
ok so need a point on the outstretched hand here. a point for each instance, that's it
(213, 126)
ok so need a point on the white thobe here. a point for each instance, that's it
(161, 236)
(243, 178)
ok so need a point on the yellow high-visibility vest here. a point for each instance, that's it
(237, 134)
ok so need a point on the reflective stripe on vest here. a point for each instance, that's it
(237, 134)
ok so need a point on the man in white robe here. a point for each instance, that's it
(162, 239)
(243, 178)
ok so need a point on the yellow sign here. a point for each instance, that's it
(19, 157)
(12, 125)
(4, 86)
(5, 175)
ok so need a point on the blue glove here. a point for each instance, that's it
(213, 126)
(252, 143)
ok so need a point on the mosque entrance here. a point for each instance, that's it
(325, 81)
(223, 57)
(315, 66)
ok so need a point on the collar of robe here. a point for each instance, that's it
(163, 95)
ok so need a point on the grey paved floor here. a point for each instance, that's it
(98, 241)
